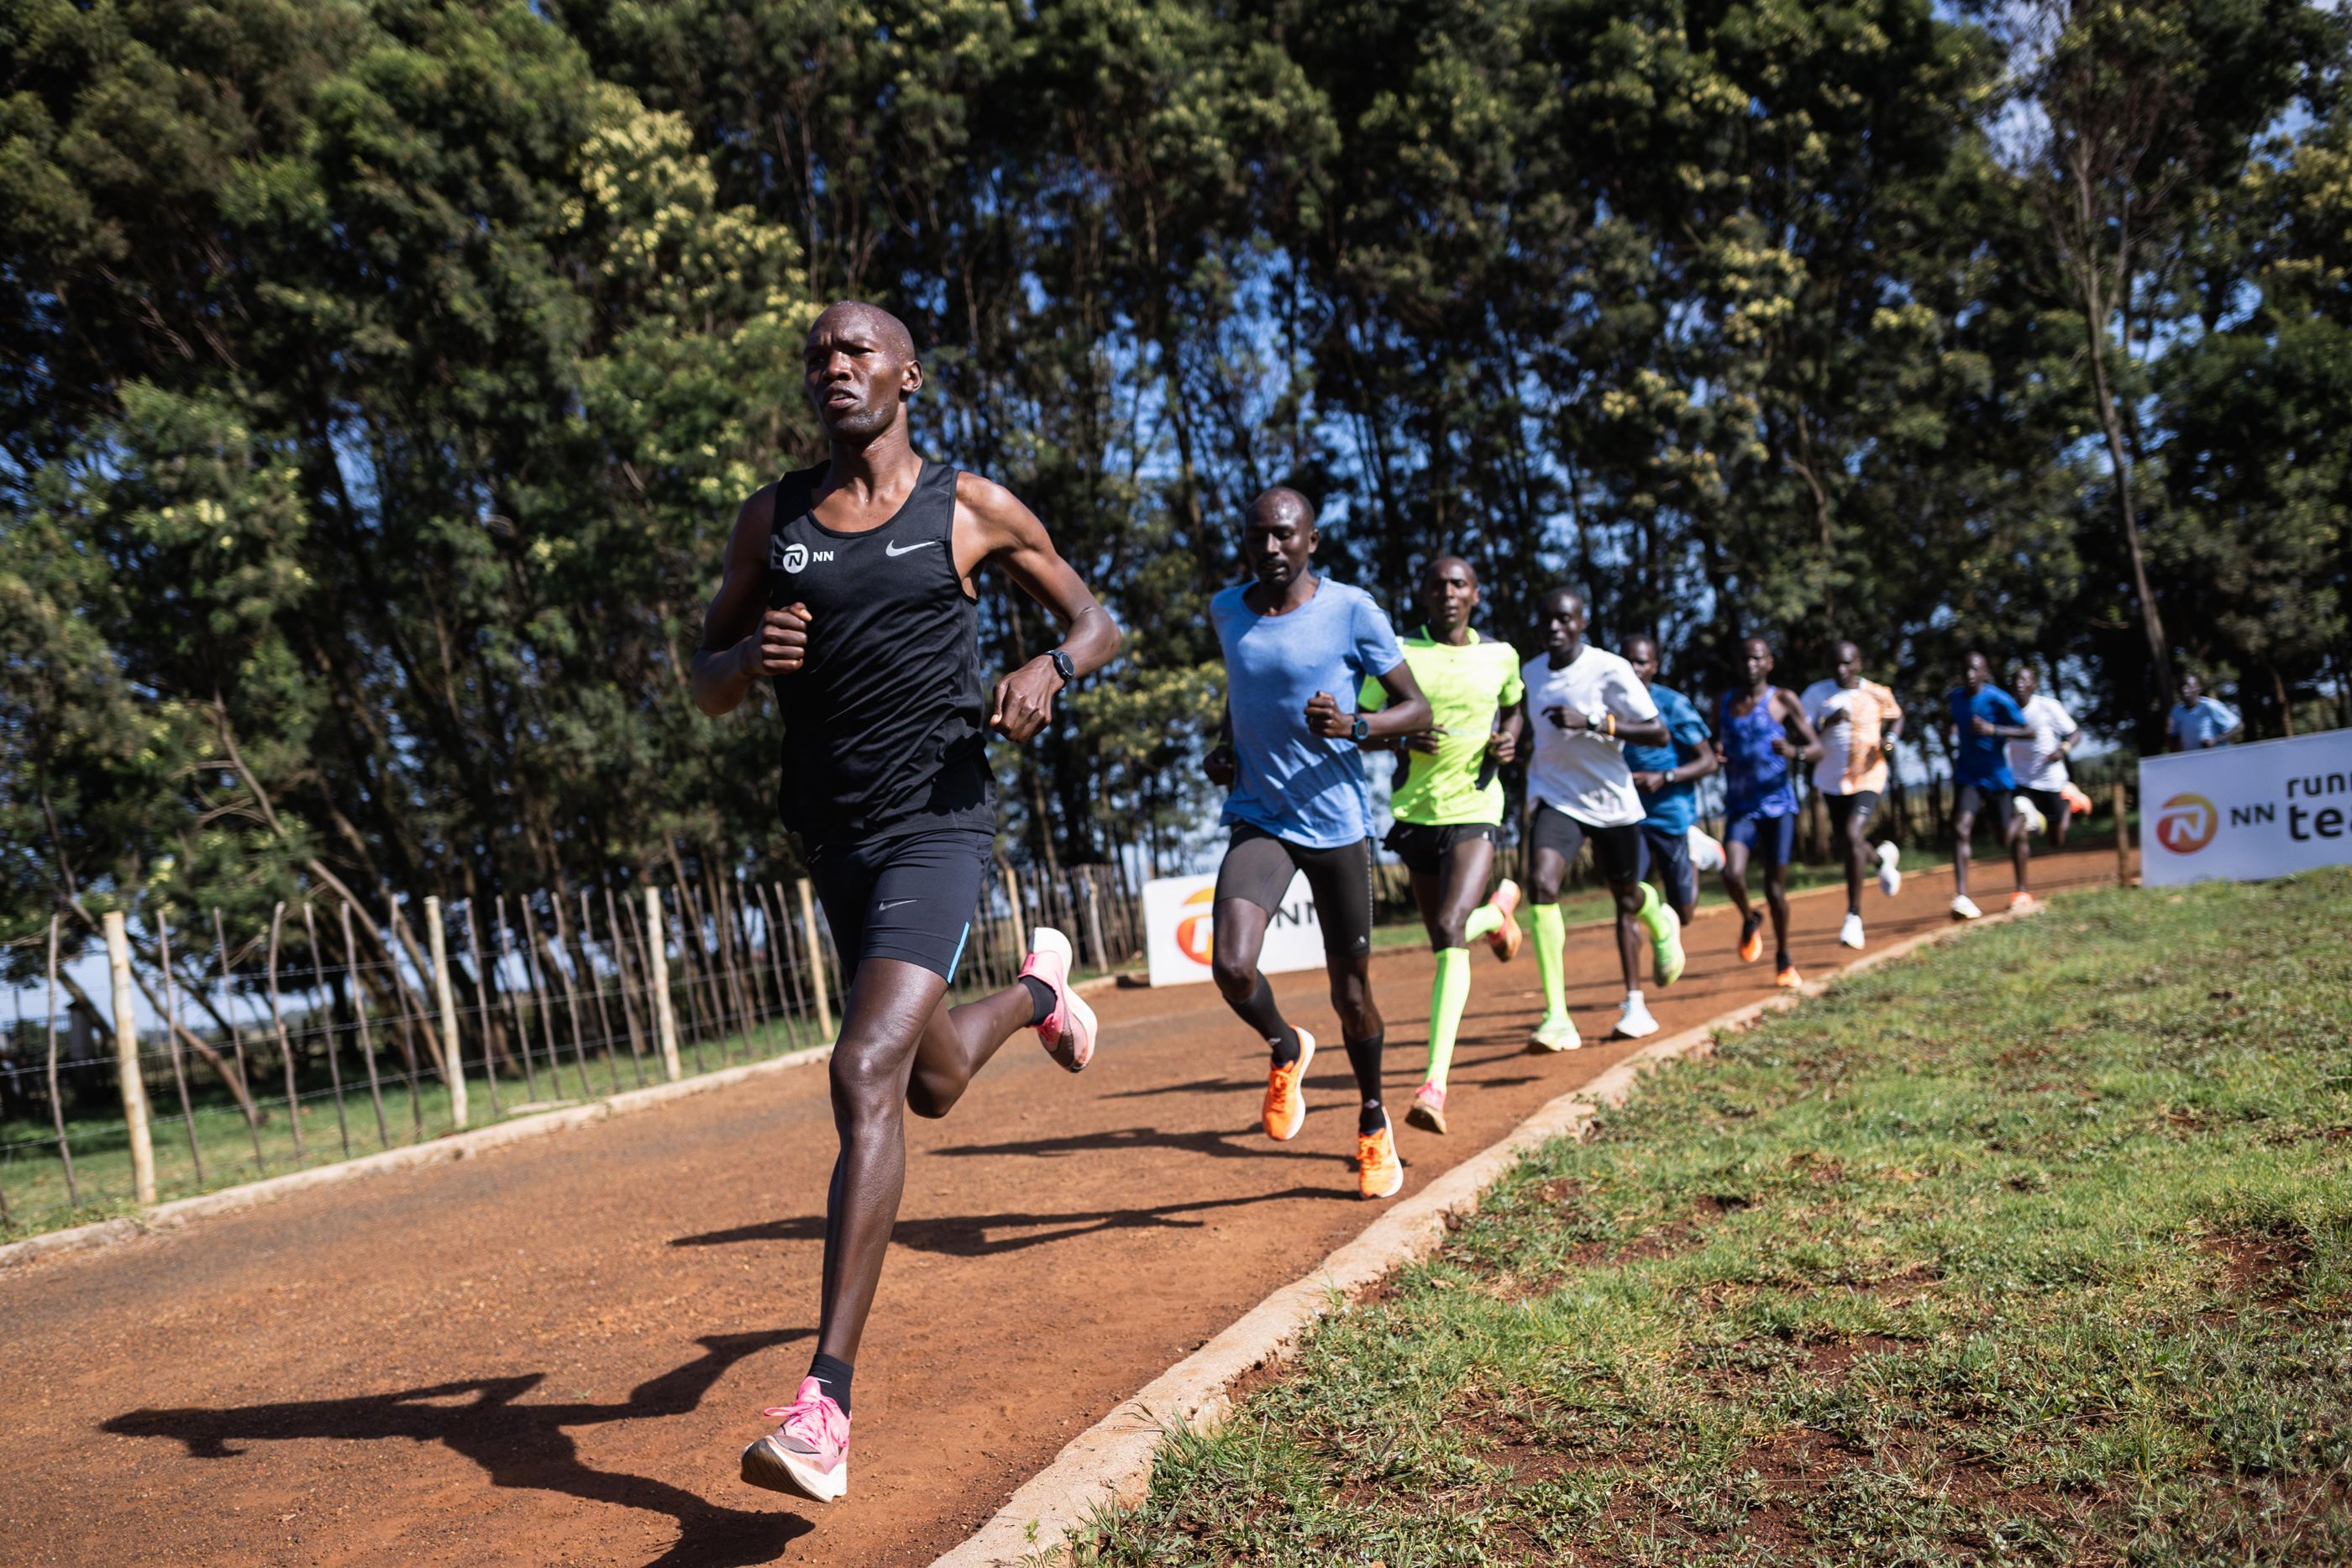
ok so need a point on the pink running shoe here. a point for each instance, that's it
(808, 1455)
(1068, 1031)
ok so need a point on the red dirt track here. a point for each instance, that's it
(552, 1353)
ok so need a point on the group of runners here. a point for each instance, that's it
(851, 588)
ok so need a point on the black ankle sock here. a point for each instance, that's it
(1285, 1046)
(1751, 921)
(834, 1374)
(1373, 1117)
(1780, 958)
(1041, 997)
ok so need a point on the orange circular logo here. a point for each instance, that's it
(1195, 933)
(2187, 824)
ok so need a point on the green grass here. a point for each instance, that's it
(2036, 1248)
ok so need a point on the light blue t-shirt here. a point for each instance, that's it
(2209, 720)
(1292, 783)
(1675, 808)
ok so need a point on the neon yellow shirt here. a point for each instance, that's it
(1467, 687)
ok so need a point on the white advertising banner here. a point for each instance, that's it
(1177, 921)
(2241, 813)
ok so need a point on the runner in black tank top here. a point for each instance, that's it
(851, 587)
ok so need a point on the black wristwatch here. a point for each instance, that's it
(1063, 668)
(1362, 731)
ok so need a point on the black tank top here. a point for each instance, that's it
(885, 721)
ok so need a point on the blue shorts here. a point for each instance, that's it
(1769, 839)
(1667, 851)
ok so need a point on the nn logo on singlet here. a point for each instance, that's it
(798, 555)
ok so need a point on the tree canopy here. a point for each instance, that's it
(381, 376)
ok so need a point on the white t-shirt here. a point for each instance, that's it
(1583, 772)
(2036, 762)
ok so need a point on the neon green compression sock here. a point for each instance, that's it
(1654, 914)
(1448, 994)
(1551, 958)
(1485, 921)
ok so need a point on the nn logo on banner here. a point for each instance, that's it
(1180, 930)
(2186, 823)
(2246, 813)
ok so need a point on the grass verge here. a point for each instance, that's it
(2037, 1248)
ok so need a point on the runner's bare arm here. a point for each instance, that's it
(1223, 763)
(1407, 713)
(991, 524)
(1791, 715)
(1503, 746)
(742, 639)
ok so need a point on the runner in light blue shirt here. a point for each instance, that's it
(1298, 651)
(2201, 720)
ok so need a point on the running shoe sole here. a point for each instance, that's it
(1538, 1046)
(1636, 1030)
(1298, 1093)
(1390, 1179)
(768, 1465)
(1429, 1118)
(1073, 1057)
(1504, 939)
(1667, 957)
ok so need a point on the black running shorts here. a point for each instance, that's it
(2054, 806)
(1844, 808)
(1258, 868)
(1666, 852)
(1616, 851)
(1975, 801)
(911, 896)
(1423, 846)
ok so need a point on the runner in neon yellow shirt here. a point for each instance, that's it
(1447, 804)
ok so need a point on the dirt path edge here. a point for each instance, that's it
(1109, 1464)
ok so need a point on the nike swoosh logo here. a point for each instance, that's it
(896, 902)
(895, 551)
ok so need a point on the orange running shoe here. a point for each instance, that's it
(2024, 902)
(1788, 979)
(1379, 1172)
(1506, 938)
(1285, 1100)
(1751, 936)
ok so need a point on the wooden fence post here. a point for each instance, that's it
(816, 962)
(453, 1057)
(126, 1060)
(657, 950)
(1094, 922)
(2123, 837)
(1016, 938)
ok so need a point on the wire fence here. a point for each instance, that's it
(335, 1030)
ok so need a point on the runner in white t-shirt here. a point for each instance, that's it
(2039, 763)
(1585, 704)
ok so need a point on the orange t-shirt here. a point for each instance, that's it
(1853, 753)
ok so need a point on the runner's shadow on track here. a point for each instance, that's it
(519, 1445)
(1223, 1144)
(970, 1235)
